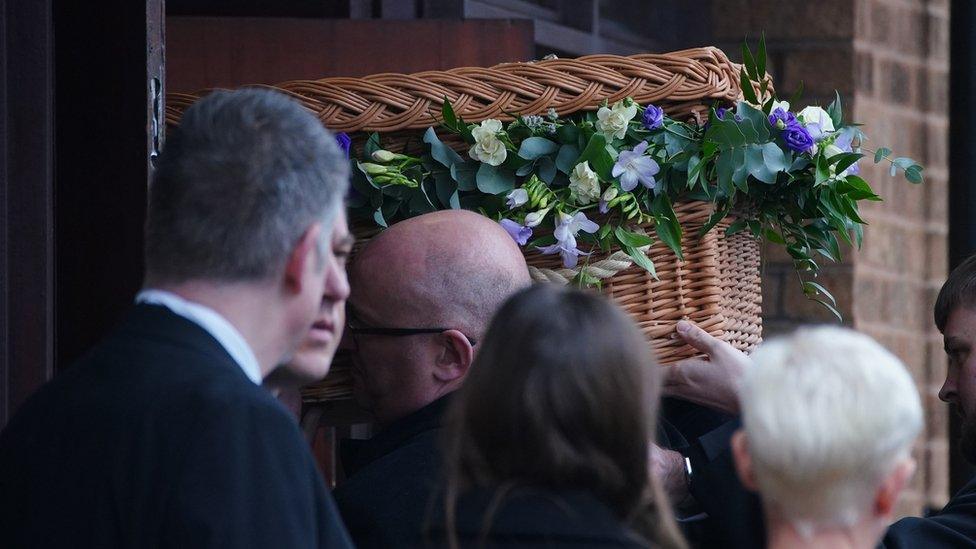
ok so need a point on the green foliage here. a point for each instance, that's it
(806, 201)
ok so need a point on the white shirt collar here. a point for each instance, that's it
(211, 321)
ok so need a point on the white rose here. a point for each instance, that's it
(612, 123)
(584, 184)
(487, 147)
(816, 115)
(489, 150)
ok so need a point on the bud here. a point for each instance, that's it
(780, 124)
(533, 219)
(609, 194)
(383, 155)
(372, 169)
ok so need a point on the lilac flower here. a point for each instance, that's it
(608, 195)
(797, 138)
(633, 166)
(782, 119)
(519, 233)
(517, 198)
(565, 234)
(653, 117)
(344, 141)
(843, 144)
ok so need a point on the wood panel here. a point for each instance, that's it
(204, 52)
(26, 201)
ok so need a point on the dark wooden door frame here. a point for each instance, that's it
(79, 90)
(26, 201)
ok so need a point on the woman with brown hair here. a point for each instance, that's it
(547, 444)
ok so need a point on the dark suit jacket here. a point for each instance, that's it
(157, 439)
(952, 527)
(734, 514)
(386, 498)
(529, 518)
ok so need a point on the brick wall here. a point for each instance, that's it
(889, 60)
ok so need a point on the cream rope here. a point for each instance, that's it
(605, 268)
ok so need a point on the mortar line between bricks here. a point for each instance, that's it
(899, 111)
(879, 52)
(926, 226)
(880, 272)
(887, 329)
(907, 4)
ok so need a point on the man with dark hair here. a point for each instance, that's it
(955, 316)
(162, 436)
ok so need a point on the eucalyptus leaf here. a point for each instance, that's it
(465, 174)
(881, 154)
(547, 169)
(441, 152)
(494, 179)
(566, 159)
(372, 145)
(534, 147)
(756, 165)
(914, 174)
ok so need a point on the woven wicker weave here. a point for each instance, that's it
(717, 285)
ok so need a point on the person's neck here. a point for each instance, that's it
(784, 535)
(252, 308)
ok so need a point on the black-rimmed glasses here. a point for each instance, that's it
(356, 327)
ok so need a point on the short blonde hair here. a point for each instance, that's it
(827, 412)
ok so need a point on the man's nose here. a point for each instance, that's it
(948, 391)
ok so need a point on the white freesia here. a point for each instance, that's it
(584, 184)
(533, 219)
(612, 123)
(487, 147)
(785, 105)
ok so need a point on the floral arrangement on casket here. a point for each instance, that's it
(791, 178)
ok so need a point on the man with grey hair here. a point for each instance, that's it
(423, 292)
(162, 436)
(829, 418)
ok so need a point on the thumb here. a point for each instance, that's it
(698, 338)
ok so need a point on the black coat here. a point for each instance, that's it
(733, 514)
(386, 498)
(532, 518)
(158, 439)
(952, 527)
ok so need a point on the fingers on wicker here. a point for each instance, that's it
(698, 338)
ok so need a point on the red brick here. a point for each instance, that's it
(838, 280)
(821, 71)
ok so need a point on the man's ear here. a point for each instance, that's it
(302, 256)
(743, 461)
(454, 357)
(891, 487)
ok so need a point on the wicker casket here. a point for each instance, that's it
(716, 284)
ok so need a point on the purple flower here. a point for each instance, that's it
(519, 233)
(720, 113)
(653, 117)
(516, 198)
(633, 166)
(779, 116)
(344, 141)
(797, 138)
(565, 234)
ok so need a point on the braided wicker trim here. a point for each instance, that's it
(683, 82)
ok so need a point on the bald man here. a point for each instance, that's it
(423, 293)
